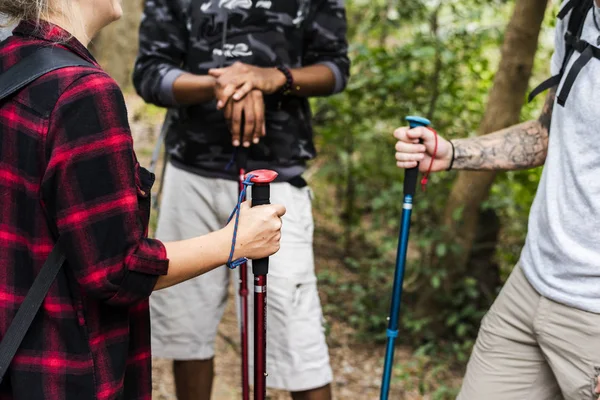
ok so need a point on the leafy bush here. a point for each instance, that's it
(439, 63)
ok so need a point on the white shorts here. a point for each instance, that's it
(185, 317)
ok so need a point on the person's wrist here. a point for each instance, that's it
(277, 80)
(226, 237)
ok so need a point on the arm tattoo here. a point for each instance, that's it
(517, 147)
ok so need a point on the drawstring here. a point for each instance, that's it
(232, 159)
(232, 264)
(425, 179)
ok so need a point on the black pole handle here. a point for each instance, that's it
(261, 194)
(411, 175)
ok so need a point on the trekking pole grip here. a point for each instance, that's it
(412, 174)
(261, 193)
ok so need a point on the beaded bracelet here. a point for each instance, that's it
(289, 80)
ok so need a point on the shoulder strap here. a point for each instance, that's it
(39, 63)
(42, 61)
(579, 9)
(24, 317)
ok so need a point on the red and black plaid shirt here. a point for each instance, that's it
(67, 168)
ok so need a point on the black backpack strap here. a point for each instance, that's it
(542, 87)
(20, 325)
(579, 10)
(29, 69)
(42, 61)
(567, 8)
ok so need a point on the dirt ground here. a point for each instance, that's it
(357, 368)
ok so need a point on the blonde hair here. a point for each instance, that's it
(17, 10)
(36, 10)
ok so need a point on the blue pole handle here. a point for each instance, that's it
(411, 175)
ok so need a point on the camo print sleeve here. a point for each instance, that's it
(162, 49)
(325, 39)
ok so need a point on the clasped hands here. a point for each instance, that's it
(239, 90)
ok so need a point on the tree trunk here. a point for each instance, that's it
(116, 46)
(503, 110)
(476, 232)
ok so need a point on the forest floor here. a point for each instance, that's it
(357, 366)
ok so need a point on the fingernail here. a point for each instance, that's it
(236, 96)
(255, 140)
(246, 144)
(236, 143)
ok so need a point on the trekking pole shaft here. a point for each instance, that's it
(242, 161)
(260, 337)
(260, 267)
(410, 184)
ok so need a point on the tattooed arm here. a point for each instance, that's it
(517, 147)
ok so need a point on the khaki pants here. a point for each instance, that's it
(530, 347)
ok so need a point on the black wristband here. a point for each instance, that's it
(289, 80)
(452, 159)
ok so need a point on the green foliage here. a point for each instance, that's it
(435, 59)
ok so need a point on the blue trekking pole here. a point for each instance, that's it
(410, 185)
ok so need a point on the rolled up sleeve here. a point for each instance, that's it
(91, 189)
(326, 42)
(162, 48)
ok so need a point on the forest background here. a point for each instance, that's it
(467, 65)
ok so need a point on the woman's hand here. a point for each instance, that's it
(409, 151)
(259, 230)
(258, 236)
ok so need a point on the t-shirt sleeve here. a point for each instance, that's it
(559, 43)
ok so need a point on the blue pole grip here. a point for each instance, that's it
(412, 174)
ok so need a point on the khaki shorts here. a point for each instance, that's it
(185, 317)
(530, 347)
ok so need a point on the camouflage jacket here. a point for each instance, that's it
(187, 35)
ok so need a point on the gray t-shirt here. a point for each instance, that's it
(561, 257)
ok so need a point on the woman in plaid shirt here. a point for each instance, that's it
(68, 169)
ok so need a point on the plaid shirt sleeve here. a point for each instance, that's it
(92, 186)
(162, 49)
(325, 39)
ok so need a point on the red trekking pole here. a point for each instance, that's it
(242, 161)
(261, 193)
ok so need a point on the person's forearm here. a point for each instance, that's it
(313, 80)
(193, 89)
(193, 257)
(517, 147)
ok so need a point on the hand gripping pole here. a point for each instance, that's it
(410, 185)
